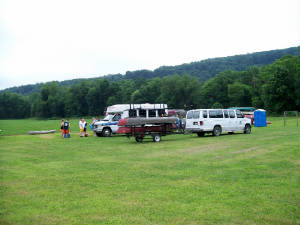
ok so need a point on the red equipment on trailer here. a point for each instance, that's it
(156, 127)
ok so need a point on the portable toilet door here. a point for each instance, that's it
(260, 118)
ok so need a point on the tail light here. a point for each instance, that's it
(201, 123)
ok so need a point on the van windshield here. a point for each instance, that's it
(108, 118)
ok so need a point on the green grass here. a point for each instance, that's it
(231, 179)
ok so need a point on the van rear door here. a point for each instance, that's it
(192, 120)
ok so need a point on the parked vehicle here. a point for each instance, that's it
(216, 121)
(109, 125)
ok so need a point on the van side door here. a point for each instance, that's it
(232, 120)
(240, 120)
(226, 120)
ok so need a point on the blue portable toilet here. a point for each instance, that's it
(260, 118)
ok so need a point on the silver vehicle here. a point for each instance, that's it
(216, 121)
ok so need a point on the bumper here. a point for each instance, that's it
(98, 129)
(194, 130)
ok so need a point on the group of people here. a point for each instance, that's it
(65, 127)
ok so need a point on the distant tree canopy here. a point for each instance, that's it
(203, 70)
(274, 87)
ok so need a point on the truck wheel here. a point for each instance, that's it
(247, 129)
(106, 132)
(99, 134)
(217, 131)
(200, 134)
(156, 138)
(139, 138)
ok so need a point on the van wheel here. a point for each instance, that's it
(106, 132)
(247, 129)
(200, 134)
(217, 131)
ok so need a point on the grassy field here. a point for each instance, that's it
(184, 179)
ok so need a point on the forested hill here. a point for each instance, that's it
(203, 70)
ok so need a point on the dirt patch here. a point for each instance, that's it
(46, 136)
(245, 150)
(203, 148)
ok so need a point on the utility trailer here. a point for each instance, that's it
(154, 127)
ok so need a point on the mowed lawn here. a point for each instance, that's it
(184, 179)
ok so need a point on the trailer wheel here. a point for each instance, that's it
(217, 131)
(139, 138)
(156, 138)
(106, 132)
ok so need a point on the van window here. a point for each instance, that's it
(142, 113)
(196, 114)
(189, 115)
(204, 114)
(239, 114)
(226, 113)
(215, 114)
(231, 114)
(152, 113)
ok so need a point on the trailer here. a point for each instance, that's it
(139, 128)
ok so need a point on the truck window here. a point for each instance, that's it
(142, 113)
(204, 114)
(152, 113)
(161, 112)
(189, 115)
(132, 113)
(196, 114)
(231, 114)
(117, 117)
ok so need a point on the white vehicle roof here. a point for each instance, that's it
(123, 107)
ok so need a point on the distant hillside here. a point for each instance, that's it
(203, 70)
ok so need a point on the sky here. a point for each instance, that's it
(43, 40)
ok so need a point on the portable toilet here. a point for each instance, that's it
(260, 118)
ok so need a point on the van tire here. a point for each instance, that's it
(200, 134)
(217, 131)
(247, 129)
(106, 132)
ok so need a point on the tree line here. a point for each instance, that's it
(203, 70)
(274, 87)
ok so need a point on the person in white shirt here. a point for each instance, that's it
(81, 127)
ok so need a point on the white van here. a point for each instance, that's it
(216, 121)
(109, 125)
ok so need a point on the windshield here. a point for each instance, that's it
(108, 117)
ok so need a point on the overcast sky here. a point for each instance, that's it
(60, 39)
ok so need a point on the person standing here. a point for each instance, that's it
(85, 127)
(62, 128)
(81, 127)
(66, 129)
